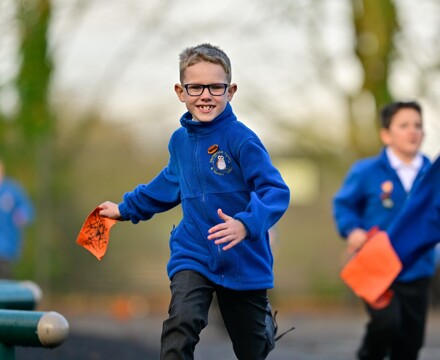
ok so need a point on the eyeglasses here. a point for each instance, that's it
(197, 89)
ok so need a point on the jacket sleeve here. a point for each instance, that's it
(269, 195)
(348, 203)
(159, 195)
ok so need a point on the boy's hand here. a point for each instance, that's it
(356, 239)
(231, 231)
(110, 210)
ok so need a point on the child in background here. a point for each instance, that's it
(372, 194)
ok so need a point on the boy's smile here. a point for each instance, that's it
(205, 107)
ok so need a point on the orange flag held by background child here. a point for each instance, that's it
(372, 270)
(95, 233)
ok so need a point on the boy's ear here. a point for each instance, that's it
(384, 136)
(231, 91)
(180, 92)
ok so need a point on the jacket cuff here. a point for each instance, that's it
(123, 211)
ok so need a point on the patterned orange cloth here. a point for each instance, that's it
(95, 233)
(372, 270)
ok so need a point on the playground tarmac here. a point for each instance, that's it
(318, 335)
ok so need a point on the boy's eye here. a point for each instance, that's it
(216, 87)
(195, 87)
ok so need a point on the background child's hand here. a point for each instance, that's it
(231, 231)
(110, 210)
(356, 239)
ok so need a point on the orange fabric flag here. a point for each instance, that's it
(371, 271)
(95, 233)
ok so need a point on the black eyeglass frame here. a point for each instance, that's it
(206, 87)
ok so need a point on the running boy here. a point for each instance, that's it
(372, 194)
(231, 195)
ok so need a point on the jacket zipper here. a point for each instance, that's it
(203, 199)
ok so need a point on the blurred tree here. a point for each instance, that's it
(391, 45)
(375, 25)
(34, 121)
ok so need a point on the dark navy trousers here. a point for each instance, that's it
(246, 314)
(397, 331)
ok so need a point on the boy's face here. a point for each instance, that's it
(205, 107)
(405, 134)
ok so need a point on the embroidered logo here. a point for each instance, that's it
(385, 196)
(221, 163)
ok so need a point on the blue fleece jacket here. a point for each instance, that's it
(364, 201)
(212, 165)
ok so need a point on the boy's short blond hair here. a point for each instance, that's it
(204, 52)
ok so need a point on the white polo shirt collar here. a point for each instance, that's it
(407, 172)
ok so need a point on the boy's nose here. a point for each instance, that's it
(205, 93)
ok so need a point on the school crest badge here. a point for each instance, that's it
(221, 163)
(385, 196)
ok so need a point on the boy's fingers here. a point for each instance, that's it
(222, 215)
(216, 234)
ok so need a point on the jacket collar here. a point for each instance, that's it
(426, 164)
(221, 120)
